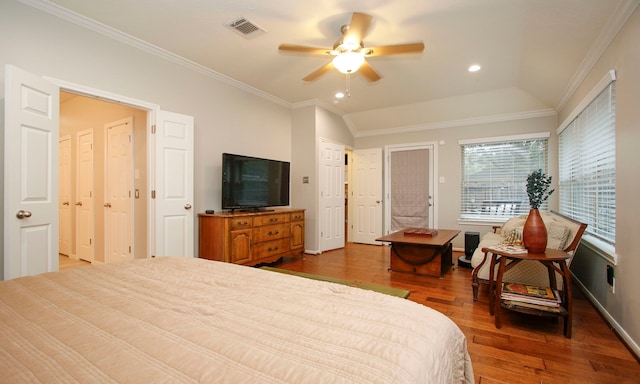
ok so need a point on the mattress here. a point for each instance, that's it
(188, 320)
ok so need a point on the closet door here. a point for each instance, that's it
(85, 218)
(331, 199)
(365, 200)
(64, 200)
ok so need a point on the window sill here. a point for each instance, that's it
(489, 222)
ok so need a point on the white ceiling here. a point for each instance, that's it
(536, 48)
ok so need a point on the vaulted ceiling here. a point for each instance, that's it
(532, 53)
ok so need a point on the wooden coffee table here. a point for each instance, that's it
(428, 255)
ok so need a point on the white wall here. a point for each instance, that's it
(227, 118)
(623, 306)
(449, 160)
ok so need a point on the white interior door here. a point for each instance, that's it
(64, 199)
(118, 205)
(31, 130)
(84, 205)
(331, 204)
(173, 204)
(365, 201)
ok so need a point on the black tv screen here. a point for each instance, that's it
(253, 183)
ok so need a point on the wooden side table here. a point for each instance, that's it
(549, 258)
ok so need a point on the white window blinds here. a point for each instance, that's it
(494, 175)
(587, 166)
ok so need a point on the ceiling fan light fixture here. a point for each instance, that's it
(348, 62)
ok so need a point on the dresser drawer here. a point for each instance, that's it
(270, 248)
(241, 222)
(270, 232)
(270, 219)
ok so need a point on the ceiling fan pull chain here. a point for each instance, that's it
(348, 90)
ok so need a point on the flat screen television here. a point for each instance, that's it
(252, 183)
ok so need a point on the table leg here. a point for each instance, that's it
(498, 293)
(566, 287)
(492, 283)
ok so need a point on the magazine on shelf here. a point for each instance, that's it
(547, 308)
(513, 249)
(530, 290)
(531, 294)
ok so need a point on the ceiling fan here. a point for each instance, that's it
(349, 52)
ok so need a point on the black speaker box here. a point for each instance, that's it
(471, 241)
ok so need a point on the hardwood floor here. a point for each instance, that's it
(68, 263)
(526, 350)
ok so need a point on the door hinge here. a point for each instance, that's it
(153, 194)
(90, 240)
(129, 249)
(153, 129)
(129, 193)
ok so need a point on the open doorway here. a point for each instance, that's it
(84, 121)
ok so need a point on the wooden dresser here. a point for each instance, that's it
(251, 238)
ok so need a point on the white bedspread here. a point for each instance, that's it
(184, 320)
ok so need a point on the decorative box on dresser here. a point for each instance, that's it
(251, 238)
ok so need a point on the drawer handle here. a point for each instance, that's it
(273, 233)
(242, 222)
(273, 219)
(272, 249)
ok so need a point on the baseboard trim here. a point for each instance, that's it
(617, 328)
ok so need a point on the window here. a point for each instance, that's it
(494, 175)
(587, 164)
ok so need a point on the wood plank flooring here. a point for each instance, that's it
(526, 350)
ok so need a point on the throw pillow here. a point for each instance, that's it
(557, 235)
(513, 223)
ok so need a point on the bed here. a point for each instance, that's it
(188, 320)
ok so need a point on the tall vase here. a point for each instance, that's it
(534, 233)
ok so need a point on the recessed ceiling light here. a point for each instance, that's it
(474, 68)
(339, 95)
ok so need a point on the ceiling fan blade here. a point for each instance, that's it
(358, 27)
(318, 72)
(368, 72)
(394, 49)
(305, 49)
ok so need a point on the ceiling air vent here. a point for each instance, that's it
(246, 27)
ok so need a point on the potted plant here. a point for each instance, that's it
(534, 233)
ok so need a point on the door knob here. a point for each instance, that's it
(107, 205)
(23, 214)
(187, 206)
(79, 203)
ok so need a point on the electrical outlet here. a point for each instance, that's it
(611, 279)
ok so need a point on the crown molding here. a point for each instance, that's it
(93, 25)
(461, 123)
(608, 33)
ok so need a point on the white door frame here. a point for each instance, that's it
(433, 148)
(152, 111)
